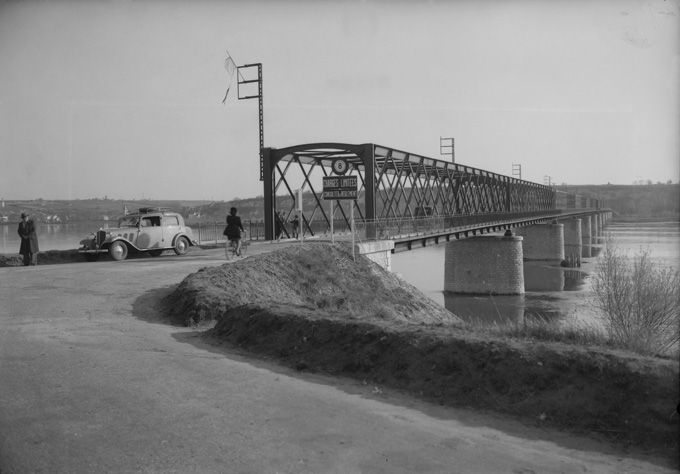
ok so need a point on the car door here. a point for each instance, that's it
(171, 228)
(150, 233)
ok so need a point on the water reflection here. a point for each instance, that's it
(485, 309)
(499, 309)
(542, 283)
(574, 280)
(543, 278)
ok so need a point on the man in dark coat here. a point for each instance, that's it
(29, 241)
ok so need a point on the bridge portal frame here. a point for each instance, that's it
(394, 184)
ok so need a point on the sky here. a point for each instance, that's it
(123, 98)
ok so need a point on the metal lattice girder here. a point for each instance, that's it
(393, 184)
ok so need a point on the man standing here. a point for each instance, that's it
(296, 226)
(29, 241)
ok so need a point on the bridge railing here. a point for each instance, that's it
(211, 232)
(395, 228)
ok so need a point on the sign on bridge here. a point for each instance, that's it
(340, 187)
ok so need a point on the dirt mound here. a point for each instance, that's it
(315, 309)
(318, 276)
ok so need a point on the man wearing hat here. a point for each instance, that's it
(29, 241)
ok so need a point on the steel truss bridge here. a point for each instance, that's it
(400, 191)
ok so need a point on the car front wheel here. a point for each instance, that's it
(181, 246)
(118, 251)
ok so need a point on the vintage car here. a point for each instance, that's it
(150, 229)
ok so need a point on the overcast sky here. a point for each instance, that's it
(123, 98)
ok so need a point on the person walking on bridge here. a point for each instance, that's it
(29, 241)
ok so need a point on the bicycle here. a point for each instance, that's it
(230, 251)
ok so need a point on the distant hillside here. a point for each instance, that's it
(652, 200)
(43, 210)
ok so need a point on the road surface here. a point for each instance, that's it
(94, 380)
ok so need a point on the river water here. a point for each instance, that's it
(552, 292)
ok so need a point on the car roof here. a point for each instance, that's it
(149, 210)
(165, 211)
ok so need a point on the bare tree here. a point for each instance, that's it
(639, 302)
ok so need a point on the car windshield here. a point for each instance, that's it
(128, 222)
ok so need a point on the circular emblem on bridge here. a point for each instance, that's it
(339, 166)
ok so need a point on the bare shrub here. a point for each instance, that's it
(638, 301)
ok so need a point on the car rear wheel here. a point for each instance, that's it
(91, 257)
(118, 251)
(181, 246)
(155, 253)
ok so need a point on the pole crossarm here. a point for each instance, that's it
(396, 184)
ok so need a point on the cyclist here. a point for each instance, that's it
(233, 231)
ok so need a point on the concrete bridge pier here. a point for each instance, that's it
(587, 234)
(572, 239)
(542, 241)
(488, 264)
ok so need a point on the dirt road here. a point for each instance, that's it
(93, 380)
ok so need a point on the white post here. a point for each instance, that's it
(351, 219)
(301, 224)
(332, 234)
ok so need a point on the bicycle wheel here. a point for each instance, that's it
(244, 248)
(230, 250)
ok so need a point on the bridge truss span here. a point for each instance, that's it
(414, 185)
(394, 184)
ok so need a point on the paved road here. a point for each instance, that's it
(93, 380)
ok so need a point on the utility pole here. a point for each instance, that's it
(547, 180)
(243, 81)
(517, 170)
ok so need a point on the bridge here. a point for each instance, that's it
(404, 197)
